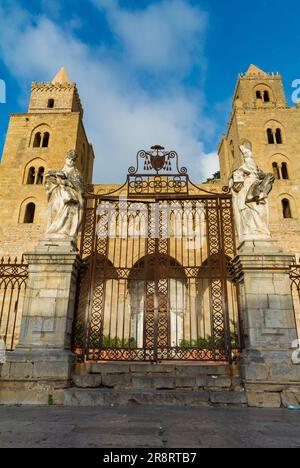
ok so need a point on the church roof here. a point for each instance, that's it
(254, 70)
(61, 77)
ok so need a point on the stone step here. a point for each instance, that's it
(178, 369)
(105, 397)
(156, 381)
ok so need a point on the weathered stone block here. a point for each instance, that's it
(162, 383)
(218, 382)
(109, 368)
(198, 370)
(87, 381)
(186, 382)
(116, 380)
(142, 381)
(52, 371)
(264, 400)
(284, 372)
(21, 370)
(275, 318)
(290, 398)
(228, 398)
(256, 372)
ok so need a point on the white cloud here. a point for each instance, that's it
(165, 36)
(121, 114)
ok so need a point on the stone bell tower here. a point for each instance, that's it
(260, 114)
(38, 141)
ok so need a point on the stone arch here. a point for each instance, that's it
(23, 208)
(277, 130)
(283, 164)
(292, 206)
(263, 91)
(41, 130)
(35, 163)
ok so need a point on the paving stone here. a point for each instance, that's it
(147, 426)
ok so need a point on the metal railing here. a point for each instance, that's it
(13, 281)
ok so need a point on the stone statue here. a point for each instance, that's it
(250, 187)
(65, 202)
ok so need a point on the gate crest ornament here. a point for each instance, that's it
(157, 172)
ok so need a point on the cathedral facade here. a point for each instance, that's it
(160, 272)
(37, 141)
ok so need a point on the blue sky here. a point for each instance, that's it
(148, 71)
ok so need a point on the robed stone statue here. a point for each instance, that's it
(65, 200)
(250, 188)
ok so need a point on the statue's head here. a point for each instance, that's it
(71, 158)
(246, 149)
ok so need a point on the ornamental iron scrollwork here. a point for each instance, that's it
(157, 172)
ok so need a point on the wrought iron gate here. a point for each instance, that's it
(155, 283)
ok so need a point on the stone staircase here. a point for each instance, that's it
(173, 384)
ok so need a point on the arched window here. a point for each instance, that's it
(46, 140)
(29, 213)
(286, 209)
(284, 171)
(271, 139)
(31, 176)
(276, 171)
(37, 140)
(258, 95)
(40, 176)
(278, 136)
(266, 96)
(50, 103)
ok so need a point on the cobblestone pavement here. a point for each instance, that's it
(155, 427)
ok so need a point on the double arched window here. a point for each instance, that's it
(41, 140)
(263, 94)
(35, 176)
(280, 171)
(274, 136)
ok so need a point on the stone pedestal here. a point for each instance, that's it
(269, 326)
(43, 359)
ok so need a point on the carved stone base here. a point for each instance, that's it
(270, 376)
(43, 361)
(265, 246)
(57, 245)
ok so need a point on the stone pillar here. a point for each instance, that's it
(269, 325)
(42, 363)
